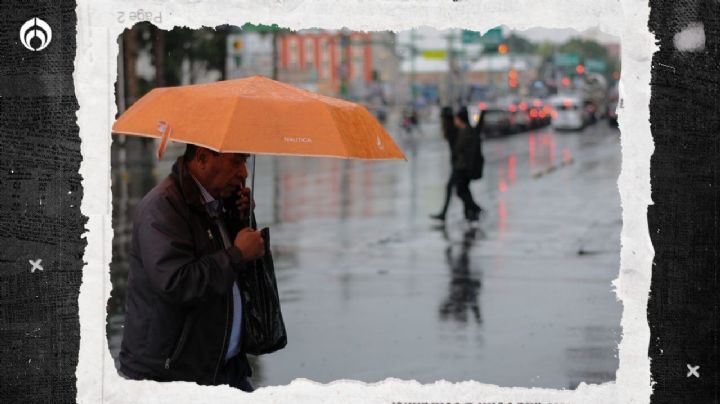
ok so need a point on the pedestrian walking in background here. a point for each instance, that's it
(450, 131)
(466, 158)
(407, 121)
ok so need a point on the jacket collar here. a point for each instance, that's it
(188, 188)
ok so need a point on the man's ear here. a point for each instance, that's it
(201, 155)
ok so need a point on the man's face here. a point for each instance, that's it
(226, 173)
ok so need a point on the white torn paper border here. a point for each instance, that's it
(95, 74)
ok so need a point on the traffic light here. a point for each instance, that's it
(512, 78)
(502, 49)
(237, 46)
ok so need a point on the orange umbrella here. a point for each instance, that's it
(257, 115)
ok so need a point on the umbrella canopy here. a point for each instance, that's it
(257, 115)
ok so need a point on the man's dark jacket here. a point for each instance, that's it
(179, 292)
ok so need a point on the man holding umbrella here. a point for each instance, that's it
(183, 319)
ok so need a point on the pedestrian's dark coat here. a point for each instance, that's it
(462, 149)
(448, 128)
(179, 292)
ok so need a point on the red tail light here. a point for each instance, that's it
(537, 103)
(533, 113)
(482, 106)
(512, 108)
(523, 106)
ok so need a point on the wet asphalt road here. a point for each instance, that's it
(372, 288)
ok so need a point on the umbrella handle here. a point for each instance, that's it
(167, 130)
(252, 193)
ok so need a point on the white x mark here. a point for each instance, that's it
(693, 371)
(36, 265)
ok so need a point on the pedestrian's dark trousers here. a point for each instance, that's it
(462, 182)
(448, 191)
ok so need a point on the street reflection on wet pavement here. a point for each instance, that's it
(372, 288)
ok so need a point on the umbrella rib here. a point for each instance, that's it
(229, 122)
(328, 110)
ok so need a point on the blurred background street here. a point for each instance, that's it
(370, 286)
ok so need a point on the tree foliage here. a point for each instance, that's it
(519, 44)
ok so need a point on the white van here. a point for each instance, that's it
(568, 112)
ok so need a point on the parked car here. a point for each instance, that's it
(540, 113)
(497, 122)
(519, 112)
(570, 113)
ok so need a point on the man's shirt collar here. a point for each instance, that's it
(206, 195)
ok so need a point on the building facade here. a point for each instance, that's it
(344, 63)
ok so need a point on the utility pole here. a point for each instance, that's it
(275, 160)
(344, 78)
(462, 71)
(275, 38)
(413, 56)
(344, 63)
(159, 51)
(451, 68)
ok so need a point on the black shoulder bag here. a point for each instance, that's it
(262, 321)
